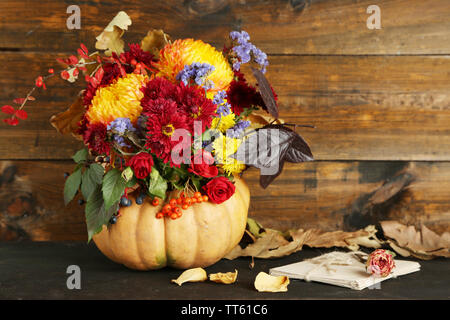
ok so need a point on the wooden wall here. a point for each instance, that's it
(380, 101)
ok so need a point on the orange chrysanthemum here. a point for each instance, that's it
(173, 57)
(120, 99)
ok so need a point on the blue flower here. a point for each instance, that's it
(224, 109)
(245, 50)
(197, 72)
(219, 97)
(120, 141)
(240, 37)
(120, 125)
(238, 129)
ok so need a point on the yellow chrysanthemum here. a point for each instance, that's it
(173, 57)
(121, 99)
(223, 123)
(224, 147)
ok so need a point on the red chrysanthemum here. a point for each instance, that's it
(190, 101)
(195, 105)
(241, 95)
(161, 127)
(95, 138)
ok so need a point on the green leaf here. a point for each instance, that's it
(132, 182)
(113, 187)
(87, 184)
(127, 174)
(96, 215)
(72, 184)
(96, 173)
(80, 156)
(196, 183)
(158, 186)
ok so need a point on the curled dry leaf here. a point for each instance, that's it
(260, 119)
(422, 244)
(67, 122)
(267, 283)
(110, 39)
(225, 278)
(191, 275)
(274, 244)
(154, 41)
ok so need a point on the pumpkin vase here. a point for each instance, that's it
(204, 234)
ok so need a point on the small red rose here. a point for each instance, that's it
(219, 189)
(141, 164)
(202, 164)
(380, 262)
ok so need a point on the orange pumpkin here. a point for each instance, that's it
(204, 234)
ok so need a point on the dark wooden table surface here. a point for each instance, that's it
(38, 271)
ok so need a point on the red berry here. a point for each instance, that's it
(65, 75)
(197, 194)
(173, 202)
(51, 70)
(167, 208)
(39, 81)
(155, 202)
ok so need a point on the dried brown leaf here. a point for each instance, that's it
(273, 244)
(191, 275)
(67, 122)
(110, 39)
(267, 283)
(225, 278)
(154, 41)
(259, 119)
(422, 244)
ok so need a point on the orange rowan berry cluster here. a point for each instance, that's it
(174, 208)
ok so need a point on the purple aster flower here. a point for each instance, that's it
(120, 141)
(120, 125)
(245, 50)
(197, 72)
(241, 37)
(220, 97)
(224, 109)
(238, 129)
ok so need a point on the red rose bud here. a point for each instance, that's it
(202, 165)
(141, 164)
(219, 189)
(51, 71)
(380, 262)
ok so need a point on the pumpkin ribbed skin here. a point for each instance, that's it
(202, 236)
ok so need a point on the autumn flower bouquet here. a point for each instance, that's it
(170, 124)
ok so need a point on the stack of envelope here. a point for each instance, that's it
(344, 269)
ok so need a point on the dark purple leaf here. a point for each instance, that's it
(266, 92)
(269, 147)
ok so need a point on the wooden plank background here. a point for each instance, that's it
(379, 100)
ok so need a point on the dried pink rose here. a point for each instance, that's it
(380, 262)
